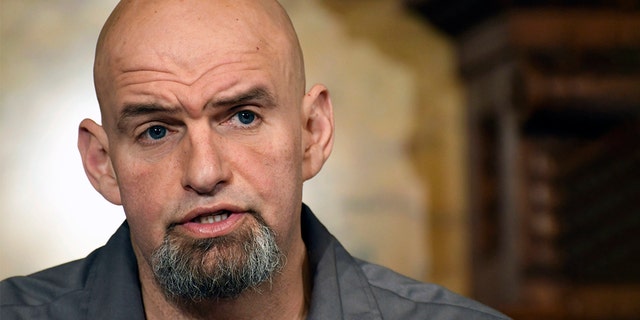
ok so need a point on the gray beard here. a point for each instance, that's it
(193, 270)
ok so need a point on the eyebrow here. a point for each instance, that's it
(253, 95)
(256, 94)
(131, 111)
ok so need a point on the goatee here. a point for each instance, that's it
(193, 270)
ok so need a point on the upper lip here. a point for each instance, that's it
(209, 210)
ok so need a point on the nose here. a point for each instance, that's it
(205, 170)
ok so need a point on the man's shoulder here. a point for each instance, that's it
(104, 283)
(401, 297)
(24, 295)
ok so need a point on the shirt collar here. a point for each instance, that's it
(114, 286)
(340, 288)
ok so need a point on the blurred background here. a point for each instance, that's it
(489, 146)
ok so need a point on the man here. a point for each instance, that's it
(207, 137)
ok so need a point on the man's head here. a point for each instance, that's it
(207, 135)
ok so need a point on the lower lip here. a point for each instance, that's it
(216, 229)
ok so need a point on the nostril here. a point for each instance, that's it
(205, 189)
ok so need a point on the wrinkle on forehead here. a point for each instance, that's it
(178, 31)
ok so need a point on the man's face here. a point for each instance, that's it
(203, 120)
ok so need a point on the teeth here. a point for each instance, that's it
(213, 218)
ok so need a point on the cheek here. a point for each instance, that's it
(136, 183)
(277, 166)
(276, 172)
(144, 195)
(144, 181)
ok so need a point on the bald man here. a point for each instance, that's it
(207, 136)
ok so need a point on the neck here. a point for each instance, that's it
(285, 297)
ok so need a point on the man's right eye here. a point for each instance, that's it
(156, 132)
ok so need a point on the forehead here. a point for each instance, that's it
(189, 33)
(190, 40)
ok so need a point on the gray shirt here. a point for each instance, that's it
(105, 285)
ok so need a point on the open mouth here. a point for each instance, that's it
(212, 222)
(212, 218)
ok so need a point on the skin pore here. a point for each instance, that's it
(206, 131)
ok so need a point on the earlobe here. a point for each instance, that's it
(93, 145)
(318, 130)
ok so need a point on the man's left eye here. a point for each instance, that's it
(246, 117)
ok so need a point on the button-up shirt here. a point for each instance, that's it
(105, 285)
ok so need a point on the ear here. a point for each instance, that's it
(318, 130)
(94, 145)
